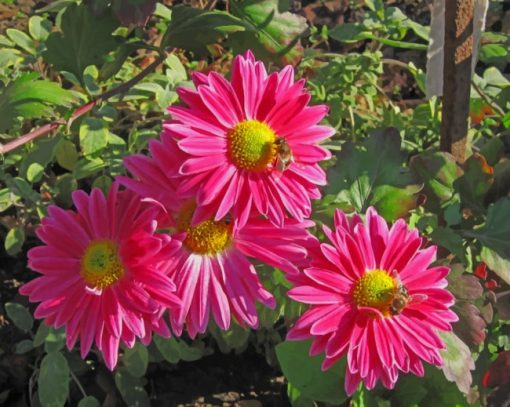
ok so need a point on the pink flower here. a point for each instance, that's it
(211, 270)
(250, 144)
(104, 272)
(374, 298)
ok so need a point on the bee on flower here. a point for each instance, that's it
(375, 298)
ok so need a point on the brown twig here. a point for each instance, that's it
(491, 103)
(83, 109)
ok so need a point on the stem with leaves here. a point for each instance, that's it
(83, 109)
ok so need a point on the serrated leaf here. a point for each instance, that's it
(194, 29)
(66, 154)
(93, 135)
(471, 325)
(437, 171)
(135, 12)
(495, 234)
(464, 286)
(19, 315)
(53, 382)
(270, 34)
(305, 374)
(136, 360)
(85, 40)
(449, 239)
(457, 361)
(371, 173)
(29, 97)
(131, 389)
(14, 240)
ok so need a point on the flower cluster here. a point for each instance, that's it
(231, 181)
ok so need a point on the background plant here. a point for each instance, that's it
(84, 84)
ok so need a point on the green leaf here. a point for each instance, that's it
(87, 167)
(305, 374)
(85, 40)
(474, 184)
(136, 360)
(236, 338)
(20, 315)
(14, 240)
(495, 234)
(457, 361)
(174, 350)
(496, 263)
(21, 39)
(103, 182)
(23, 189)
(131, 389)
(430, 390)
(42, 153)
(493, 52)
(31, 98)
(270, 34)
(41, 334)
(437, 171)
(35, 172)
(350, 32)
(55, 340)
(66, 154)
(450, 240)
(93, 135)
(371, 173)
(89, 401)
(24, 346)
(296, 398)
(53, 382)
(39, 28)
(65, 186)
(194, 29)
(7, 199)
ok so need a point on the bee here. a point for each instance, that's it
(402, 298)
(284, 157)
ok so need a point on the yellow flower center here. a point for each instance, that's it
(208, 237)
(375, 289)
(251, 145)
(100, 265)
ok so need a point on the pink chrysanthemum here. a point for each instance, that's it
(375, 299)
(250, 144)
(212, 271)
(104, 272)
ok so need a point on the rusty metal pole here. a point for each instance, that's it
(458, 51)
